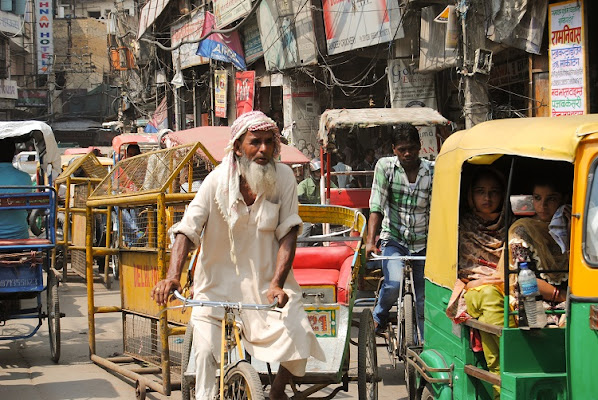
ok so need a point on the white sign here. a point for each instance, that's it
(227, 11)
(9, 89)
(353, 24)
(188, 31)
(44, 35)
(567, 59)
(409, 88)
(10, 23)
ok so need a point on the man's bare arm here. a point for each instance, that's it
(374, 224)
(284, 262)
(178, 256)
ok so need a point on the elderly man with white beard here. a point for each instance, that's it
(245, 215)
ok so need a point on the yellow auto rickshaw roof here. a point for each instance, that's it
(543, 138)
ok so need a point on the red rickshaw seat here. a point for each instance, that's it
(325, 266)
(23, 242)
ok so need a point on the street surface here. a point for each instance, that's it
(27, 372)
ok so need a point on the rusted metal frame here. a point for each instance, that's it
(415, 360)
(89, 279)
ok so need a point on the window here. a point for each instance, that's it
(94, 14)
(590, 240)
(3, 59)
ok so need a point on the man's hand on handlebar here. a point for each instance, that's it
(163, 289)
(277, 293)
(370, 249)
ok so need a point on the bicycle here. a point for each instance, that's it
(238, 379)
(405, 334)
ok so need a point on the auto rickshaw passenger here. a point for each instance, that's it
(13, 222)
(481, 238)
(530, 239)
(308, 189)
(400, 204)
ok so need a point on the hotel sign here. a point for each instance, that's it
(43, 35)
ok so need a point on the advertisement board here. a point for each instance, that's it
(220, 87)
(409, 88)
(188, 31)
(32, 98)
(352, 24)
(252, 43)
(567, 59)
(244, 89)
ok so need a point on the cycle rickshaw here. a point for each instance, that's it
(554, 362)
(327, 275)
(24, 262)
(153, 190)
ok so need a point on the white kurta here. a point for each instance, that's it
(268, 336)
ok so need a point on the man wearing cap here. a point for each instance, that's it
(245, 215)
(308, 189)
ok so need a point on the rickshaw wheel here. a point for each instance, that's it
(367, 359)
(53, 311)
(410, 381)
(243, 382)
(408, 329)
(139, 390)
(187, 388)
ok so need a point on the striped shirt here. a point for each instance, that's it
(405, 207)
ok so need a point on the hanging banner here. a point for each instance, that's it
(149, 13)
(409, 88)
(287, 34)
(355, 24)
(244, 87)
(567, 59)
(219, 46)
(227, 11)
(44, 35)
(159, 119)
(188, 30)
(220, 88)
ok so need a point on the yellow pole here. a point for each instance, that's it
(151, 231)
(161, 275)
(238, 340)
(222, 352)
(89, 279)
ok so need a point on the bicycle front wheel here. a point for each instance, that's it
(242, 382)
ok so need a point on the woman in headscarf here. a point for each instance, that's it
(481, 238)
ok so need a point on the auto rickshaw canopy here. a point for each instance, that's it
(371, 117)
(542, 138)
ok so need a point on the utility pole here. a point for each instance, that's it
(476, 108)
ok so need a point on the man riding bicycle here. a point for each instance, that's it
(245, 215)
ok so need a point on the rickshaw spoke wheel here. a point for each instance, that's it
(242, 382)
(408, 328)
(367, 358)
(187, 388)
(139, 390)
(53, 311)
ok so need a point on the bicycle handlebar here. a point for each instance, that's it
(235, 306)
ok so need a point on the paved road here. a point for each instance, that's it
(27, 372)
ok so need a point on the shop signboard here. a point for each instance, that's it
(220, 46)
(252, 43)
(10, 23)
(227, 11)
(220, 88)
(567, 59)
(409, 88)
(353, 24)
(189, 31)
(44, 35)
(32, 98)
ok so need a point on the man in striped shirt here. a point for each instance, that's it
(400, 204)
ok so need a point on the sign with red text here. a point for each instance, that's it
(44, 35)
(567, 59)
(244, 88)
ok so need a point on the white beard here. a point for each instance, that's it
(260, 178)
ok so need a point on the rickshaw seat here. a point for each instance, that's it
(352, 197)
(322, 266)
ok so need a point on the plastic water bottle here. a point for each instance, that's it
(528, 286)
